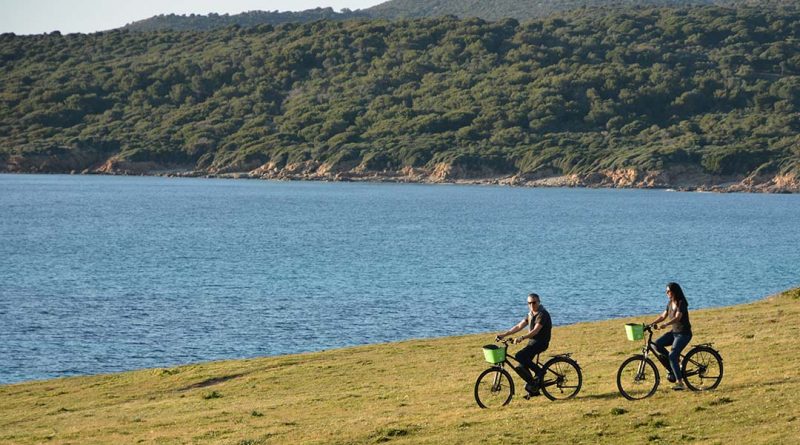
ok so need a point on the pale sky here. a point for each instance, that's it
(68, 16)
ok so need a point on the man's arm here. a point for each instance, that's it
(530, 334)
(516, 328)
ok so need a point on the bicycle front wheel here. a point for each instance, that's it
(637, 378)
(494, 388)
(561, 378)
(702, 369)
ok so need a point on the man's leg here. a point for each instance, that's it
(525, 357)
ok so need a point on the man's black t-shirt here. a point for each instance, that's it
(543, 317)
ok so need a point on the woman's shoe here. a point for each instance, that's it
(678, 387)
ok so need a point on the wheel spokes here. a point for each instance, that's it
(565, 376)
(637, 379)
(703, 370)
(493, 389)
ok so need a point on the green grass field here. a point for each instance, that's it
(420, 391)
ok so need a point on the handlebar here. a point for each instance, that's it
(505, 341)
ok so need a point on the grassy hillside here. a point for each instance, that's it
(421, 392)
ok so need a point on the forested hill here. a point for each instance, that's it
(528, 9)
(199, 22)
(648, 98)
(403, 9)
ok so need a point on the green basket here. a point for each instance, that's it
(494, 354)
(635, 331)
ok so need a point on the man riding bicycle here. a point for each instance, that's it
(538, 336)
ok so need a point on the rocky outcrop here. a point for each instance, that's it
(117, 166)
(68, 162)
(456, 172)
(768, 184)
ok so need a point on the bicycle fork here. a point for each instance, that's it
(497, 380)
(642, 363)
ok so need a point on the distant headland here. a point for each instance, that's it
(696, 98)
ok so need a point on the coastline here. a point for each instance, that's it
(680, 178)
(420, 391)
(793, 292)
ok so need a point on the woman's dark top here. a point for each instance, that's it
(683, 326)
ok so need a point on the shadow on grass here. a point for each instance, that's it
(603, 396)
(210, 382)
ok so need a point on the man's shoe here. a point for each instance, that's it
(678, 387)
(532, 389)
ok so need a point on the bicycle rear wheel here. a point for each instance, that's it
(637, 378)
(494, 388)
(702, 369)
(561, 378)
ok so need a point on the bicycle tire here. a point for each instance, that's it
(494, 388)
(561, 378)
(637, 378)
(702, 369)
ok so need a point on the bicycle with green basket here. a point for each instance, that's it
(560, 377)
(638, 376)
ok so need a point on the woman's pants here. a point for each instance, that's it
(679, 342)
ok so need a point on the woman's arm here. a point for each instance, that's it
(677, 318)
(660, 318)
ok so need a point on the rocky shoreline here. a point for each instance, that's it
(680, 178)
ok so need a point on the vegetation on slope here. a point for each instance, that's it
(199, 22)
(421, 392)
(406, 9)
(711, 90)
(528, 9)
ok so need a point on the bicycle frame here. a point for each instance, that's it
(650, 346)
(542, 380)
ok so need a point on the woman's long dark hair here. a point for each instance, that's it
(677, 292)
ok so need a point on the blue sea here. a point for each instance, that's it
(101, 274)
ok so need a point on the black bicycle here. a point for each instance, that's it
(638, 376)
(559, 379)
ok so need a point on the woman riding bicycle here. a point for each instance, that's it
(539, 328)
(677, 316)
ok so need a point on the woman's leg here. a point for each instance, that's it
(678, 345)
(664, 341)
(661, 347)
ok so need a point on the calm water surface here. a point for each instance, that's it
(100, 274)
